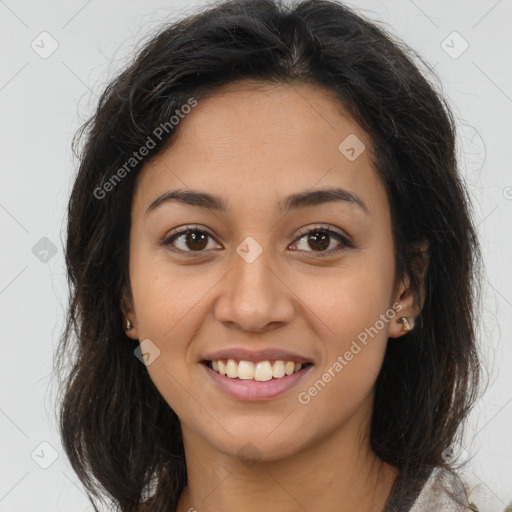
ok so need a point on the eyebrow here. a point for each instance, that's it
(292, 202)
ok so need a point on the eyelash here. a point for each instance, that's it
(316, 229)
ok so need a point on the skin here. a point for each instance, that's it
(254, 144)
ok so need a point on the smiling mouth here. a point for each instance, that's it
(261, 371)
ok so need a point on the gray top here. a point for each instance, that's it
(441, 491)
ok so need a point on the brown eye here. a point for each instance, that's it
(189, 240)
(196, 241)
(318, 240)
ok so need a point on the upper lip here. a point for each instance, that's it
(245, 354)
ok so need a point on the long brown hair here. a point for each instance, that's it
(122, 438)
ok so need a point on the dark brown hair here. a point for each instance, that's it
(122, 438)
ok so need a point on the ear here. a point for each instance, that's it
(128, 312)
(419, 261)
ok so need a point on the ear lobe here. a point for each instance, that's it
(129, 325)
(405, 298)
(419, 261)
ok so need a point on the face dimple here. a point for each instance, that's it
(253, 148)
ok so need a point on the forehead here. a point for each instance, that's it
(262, 142)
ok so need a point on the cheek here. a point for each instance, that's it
(170, 304)
(348, 305)
(167, 317)
(355, 317)
(166, 294)
(354, 348)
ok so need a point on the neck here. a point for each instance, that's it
(334, 473)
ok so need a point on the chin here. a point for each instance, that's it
(256, 445)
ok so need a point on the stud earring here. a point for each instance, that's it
(128, 325)
(408, 326)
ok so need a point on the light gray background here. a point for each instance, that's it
(43, 101)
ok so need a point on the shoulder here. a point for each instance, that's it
(443, 492)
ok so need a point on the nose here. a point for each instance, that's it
(254, 296)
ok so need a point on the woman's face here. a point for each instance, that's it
(251, 285)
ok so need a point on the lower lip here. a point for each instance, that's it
(253, 389)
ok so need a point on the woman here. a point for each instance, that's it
(273, 270)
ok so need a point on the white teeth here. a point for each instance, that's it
(278, 370)
(231, 369)
(261, 371)
(246, 370)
